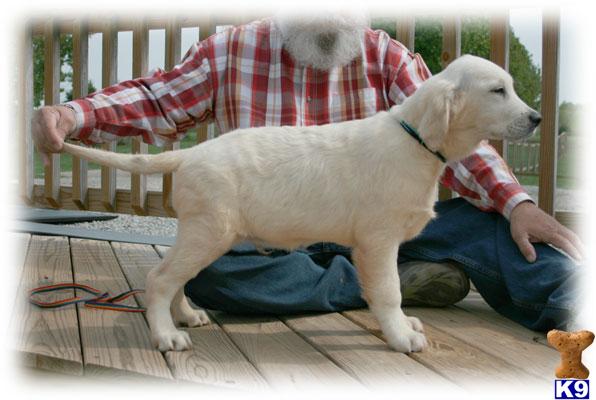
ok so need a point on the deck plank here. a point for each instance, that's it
(114, 343)
(456, 360)
(499, 341)
(360, 353)
(47, 339)
(19, 242)
(475, 304)
(280, 355)
(213, 360)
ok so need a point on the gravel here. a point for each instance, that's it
(568, 200)
(156, 226)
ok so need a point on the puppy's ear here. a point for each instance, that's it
(437, 99)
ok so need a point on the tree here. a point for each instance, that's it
(569, 115)
(475, 39)
(65, 70)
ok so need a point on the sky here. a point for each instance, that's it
(525, 22)
(527, 25)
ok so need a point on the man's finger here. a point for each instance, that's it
(562, 243)
(526, 248)
(575, 240)
(49, 125)
(46, 159)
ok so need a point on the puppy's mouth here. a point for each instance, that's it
(519, 137)
(517, 132)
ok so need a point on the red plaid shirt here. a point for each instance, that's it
(243, 77)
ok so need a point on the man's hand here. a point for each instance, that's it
(49, 126)
(529, 224)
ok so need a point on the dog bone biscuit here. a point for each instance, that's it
(570, 345)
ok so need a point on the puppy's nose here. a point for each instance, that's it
(535, 118)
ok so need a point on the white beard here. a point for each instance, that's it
(322, 41)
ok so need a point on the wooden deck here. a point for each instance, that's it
(468, 343)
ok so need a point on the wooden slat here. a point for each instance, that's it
(280, 355)
(499, 54)
(207, 27)
(52, 96)
(19, 242)
(47, 339)
(96, 24)
(572, 220)
(108, 78)
(457, 361)
(475, 304)
(140, 50)
(173, 39)
(507, 344)
(26, 178)
(405, 31)
(358, 352)
(114, 343)
(451, 40)
(550, 112)
(451, 49)
(213, 360)
(80, 80)
(122, 202)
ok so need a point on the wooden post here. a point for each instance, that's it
(109, 77)
(26, 178)
(451, 51)
(173, 38)
(550, 112)
(52, 96)
(206, 28)
(140, 51)
(404, 32)
(80, 81)
(499, 54)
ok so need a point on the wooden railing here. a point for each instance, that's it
(524, 157)
(138, 199)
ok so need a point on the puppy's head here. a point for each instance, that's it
(470, 101)
(488, 101)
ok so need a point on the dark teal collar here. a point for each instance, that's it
(416, 136)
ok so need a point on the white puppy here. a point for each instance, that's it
(366, 184)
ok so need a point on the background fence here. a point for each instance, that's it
(540, 158)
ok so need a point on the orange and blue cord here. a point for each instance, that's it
(99, 299)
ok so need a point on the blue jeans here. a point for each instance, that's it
(541, 296)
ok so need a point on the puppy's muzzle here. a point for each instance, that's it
(535, 119)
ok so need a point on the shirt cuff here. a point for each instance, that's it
(84, 117)
(517, 195)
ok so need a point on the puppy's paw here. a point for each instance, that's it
(408, 341)
(193, 318)
(175, 340)
(415, 324)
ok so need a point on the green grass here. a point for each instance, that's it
(567, 177)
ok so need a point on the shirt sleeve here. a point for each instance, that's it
(483, 178)
(159, 108)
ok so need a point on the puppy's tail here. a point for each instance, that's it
(136, 163)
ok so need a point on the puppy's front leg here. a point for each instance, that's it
(379, 280)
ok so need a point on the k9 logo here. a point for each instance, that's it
(572, 389)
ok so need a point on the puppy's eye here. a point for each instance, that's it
(499, 90)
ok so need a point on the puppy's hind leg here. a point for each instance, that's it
(199, 243)
(184, 314)
(379, 280)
